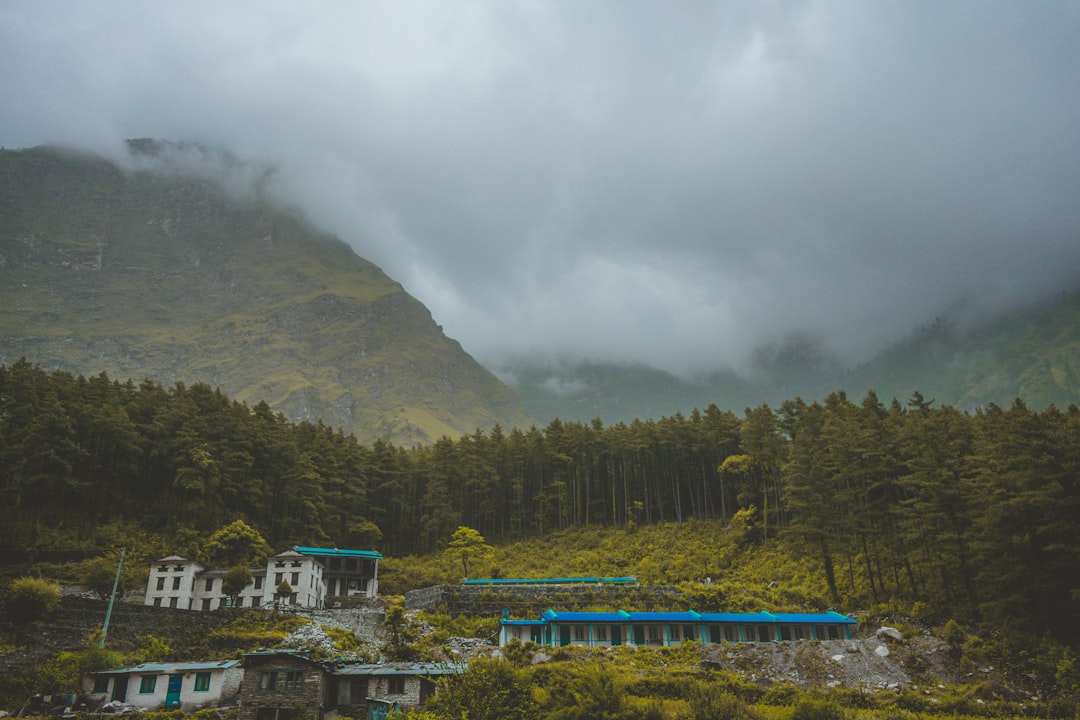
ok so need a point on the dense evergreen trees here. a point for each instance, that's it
(901, 503)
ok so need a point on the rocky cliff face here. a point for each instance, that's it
(169, 277)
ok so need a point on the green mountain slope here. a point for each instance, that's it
(1033, 354)
(169, 277)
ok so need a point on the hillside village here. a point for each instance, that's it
(330, 591)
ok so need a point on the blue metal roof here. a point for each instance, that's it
(736, 618)
(689, 617)
(336, 552)
(808, 618)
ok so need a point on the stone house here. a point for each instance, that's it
(286, 684)
(187, 686)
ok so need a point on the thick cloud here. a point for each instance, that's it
(670, 184)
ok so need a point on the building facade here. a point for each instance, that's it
(313, 575)
(167, 686)
(286, 684)
(667, 629)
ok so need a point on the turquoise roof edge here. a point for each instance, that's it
(550, 615)
(336, 552)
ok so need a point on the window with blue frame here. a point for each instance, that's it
(147, 684)
(101, 684)
(202, 682)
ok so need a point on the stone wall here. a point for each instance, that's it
(73, 623)
(531, 600)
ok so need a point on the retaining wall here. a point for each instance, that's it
(530, 600)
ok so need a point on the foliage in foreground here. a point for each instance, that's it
(648, 685)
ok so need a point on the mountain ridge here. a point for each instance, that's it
(169, 277)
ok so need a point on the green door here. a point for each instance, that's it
(172, 697)
(564, 635)
(616, 635)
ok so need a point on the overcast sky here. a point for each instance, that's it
(658, 182)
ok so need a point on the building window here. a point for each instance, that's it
(579, 633)
(296, 563)
(173, 601)
(209, 584)
(279, 564)
(147, 684)
(278, 577)
(161, 583)
(655, 633)
(178, 568)
(295, 579)
(676, 633)
(601, 633)
(163, 568)
(254, 602)
(206, 603)
(731, 633)
(258, 583)
(101, 684)
(268, 680)
(176, 583)
(157, 602)
(202, 682)
(395, 685)
(294, 680)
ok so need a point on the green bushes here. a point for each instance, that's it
(29, 599)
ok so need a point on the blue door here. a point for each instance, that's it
(172, 697)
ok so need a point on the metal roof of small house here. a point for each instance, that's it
(400, 669)
(168, 668)
(336, 552)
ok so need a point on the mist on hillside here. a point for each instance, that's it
(610, 181)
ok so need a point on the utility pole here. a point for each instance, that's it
(112, 599)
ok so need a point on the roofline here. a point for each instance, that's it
(336, 552)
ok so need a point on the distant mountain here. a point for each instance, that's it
(1033, 355)
(167, 276)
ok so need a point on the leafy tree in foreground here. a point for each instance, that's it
(467, 545)
(236, 544)
(488, 690)
(234, 582)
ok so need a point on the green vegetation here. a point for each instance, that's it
(170, 276)
(29, 598)
(922, 510)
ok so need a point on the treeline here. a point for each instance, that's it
(897, 503)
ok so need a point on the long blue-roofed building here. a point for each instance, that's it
(667, 629)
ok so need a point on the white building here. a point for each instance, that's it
(155, 686)
(312, 574)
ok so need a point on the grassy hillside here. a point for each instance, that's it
(170, 277)
(1033, 354)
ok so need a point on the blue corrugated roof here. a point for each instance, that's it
(808, 618)
(336, 552)
(690, 617)
(735, 618)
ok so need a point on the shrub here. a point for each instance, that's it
(30, 599)
(812, 708)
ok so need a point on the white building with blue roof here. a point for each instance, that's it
(667, 629)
